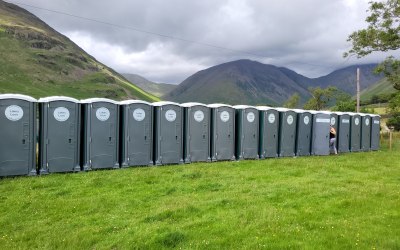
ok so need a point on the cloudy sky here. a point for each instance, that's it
(166, 41)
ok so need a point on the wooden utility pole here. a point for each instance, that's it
(358, 90)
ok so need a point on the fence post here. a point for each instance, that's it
(390, 138)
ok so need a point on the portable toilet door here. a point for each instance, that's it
(287, 132)
(136, 143)
(168, 133)
(18, 135)
(196, 132)
(100, 133)
(375, 131)
(334, 124)
(222, 132)
(320, 133)
(355, 132)
(365, 132)
(303, 133)
(343, 132)
(269, 132)
(247, 132)
(59, 134)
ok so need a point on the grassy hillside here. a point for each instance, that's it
(157, 89)
(334, 202)
(382, 87)
(38, 61)
(238, 82)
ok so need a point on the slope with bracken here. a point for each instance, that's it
(38, 61)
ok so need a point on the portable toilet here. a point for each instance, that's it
(320, 133)
(303, 132)
(269, 131)
(355, 132)
(222, 132)
(334, 124)
(136, 144)
(18, 135)
(59, 134)
(375, 131)
(100, 121)
(168, 133)
(196, 132)
(342, 132)
(365, 132)
(246, 132)
(287, 132)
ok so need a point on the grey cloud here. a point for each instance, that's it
(308, 36)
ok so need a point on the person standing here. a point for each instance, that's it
(332, 141)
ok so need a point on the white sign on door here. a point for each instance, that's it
(61, 114)
(139, 114)
(170, 115)
(198, 116)
(14, 113)
(103, 114)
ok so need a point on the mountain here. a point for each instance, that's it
(157, 89)
(253, 83)
(345, 78)
(238, 82)
(382, 87)
(37, 60)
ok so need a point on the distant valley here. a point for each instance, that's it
(157, 89)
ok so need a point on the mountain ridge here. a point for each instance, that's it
(256, 83)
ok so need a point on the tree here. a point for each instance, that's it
(344, 102)
(394, 111)
(320, 98)
(382, 34)
(345, 106)
(293, 101)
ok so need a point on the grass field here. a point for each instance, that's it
(341, 202)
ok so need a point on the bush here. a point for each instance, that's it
(394, 121)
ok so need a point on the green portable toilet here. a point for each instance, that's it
(59, 134)
(18, 135)
(355, 132)
(100, 121)
(365, 132)
(269, 132)
(247, 132)
(196, 132)
(222, 132)
(168, 133)
(375, 131)
(343, 132)
(136, 141)
(320, 133)
(303, 132)
(287, 132)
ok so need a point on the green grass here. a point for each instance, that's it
(341, 202)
